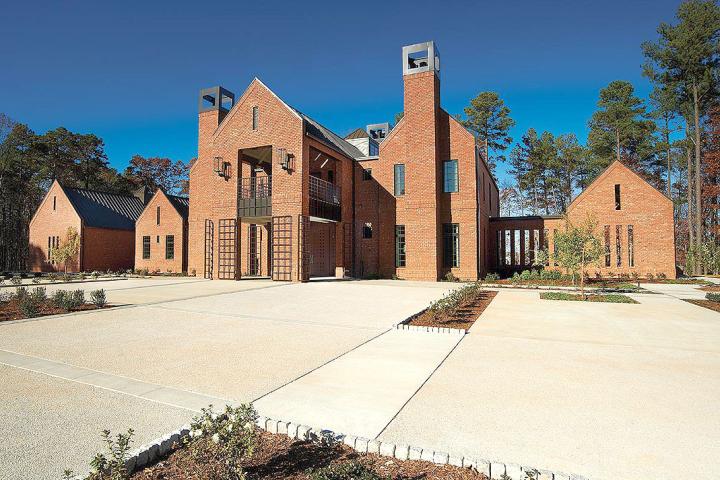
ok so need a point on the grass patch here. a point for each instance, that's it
(573, 297)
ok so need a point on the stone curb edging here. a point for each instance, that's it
(150, 452)
(416, 328)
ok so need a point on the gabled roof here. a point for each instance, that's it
(357, 133)
(105, 210)
(181, 204)
(328, 137)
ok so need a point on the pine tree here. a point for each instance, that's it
(489, 118)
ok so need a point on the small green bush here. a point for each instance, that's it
(29, 306)
(113, 467)
(605, 298)
(349, 470)
(450, 277)
(35, 280)
(650, 276)
(68, 300)
(491, 278)
(21, 292)
(78, 297)
(39, 294)
(98, 298)
(16, 280)
(713, 296)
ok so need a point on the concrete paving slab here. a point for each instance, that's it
(603, 390)
(676, 290)
(360, 392)
(49, 424)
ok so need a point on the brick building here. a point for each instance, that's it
(161, 233)
(635, 222)
(274, 193)
(104, 221)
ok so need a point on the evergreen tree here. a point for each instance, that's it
(619, 130)
(489, 118)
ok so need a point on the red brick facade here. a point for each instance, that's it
(637, 234)
(100, 248)
(161, 237)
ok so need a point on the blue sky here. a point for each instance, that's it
(130, 71)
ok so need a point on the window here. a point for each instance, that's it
(450, 176)
(516, 247)
(618, 244)
(500, 256)
(399, 245)
(254, 118)
(157, 216)
(157, 240)
(169, 247)
(53, 243)
(545, 243)
(331, 176)
(451, 244)
(555, 248)
(607, 245)
(54, 202)
(367, 174)
(528, 248)
(617, 196)
(399, 179)
(508, 248)
(367, 230)
(146, 247)
(374, 149)
(631, 246)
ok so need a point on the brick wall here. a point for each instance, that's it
(52, 218)
(171, 223)
(648, 211)
(107, 249)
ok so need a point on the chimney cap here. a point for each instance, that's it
(215, 98)
(421, 57)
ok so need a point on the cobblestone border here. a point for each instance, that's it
(416, 328)
(493, 469)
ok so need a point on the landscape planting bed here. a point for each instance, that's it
(277, 457)
(574, 297)
(463, 317)
(706, 303)
(11, 311)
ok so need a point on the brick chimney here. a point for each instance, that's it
(213, 104)
(421, 80)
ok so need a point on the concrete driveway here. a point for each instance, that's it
(608, 391)
(65, 378)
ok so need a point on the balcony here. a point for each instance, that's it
(255, 197)
(324, 199)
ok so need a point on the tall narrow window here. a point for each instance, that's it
(255, 118)
(54, 202)
(516, 247)
(157, 215)
(508, 248)
(169, 247)
(607, 245)
(367, 174)
(399, 245)
(451, 244)
(399, 179)
(500, 250)
(631, 246)
(367, 230)
(546, 246)
(617, 196)
(146, 247)
(536, 244)
(527, 247)
(450, 176)
(49, 253)
(618, 244)
(555, 248)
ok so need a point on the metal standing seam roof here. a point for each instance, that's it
(181, 204)
(105, 210)
(328, 137)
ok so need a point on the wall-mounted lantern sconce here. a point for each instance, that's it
(221, 168)
(286, 160)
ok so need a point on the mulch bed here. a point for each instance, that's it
(706, 303)
(10, 311)
(711, 288)
(278, 457)
(463, 318)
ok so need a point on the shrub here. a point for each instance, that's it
(2, 280)
(662, 276)
(113, 468)
(53, 277)
(21, 292)
(635, 275)
(349, 470)
(492, 278)
(5, 297)
(39, 294)
(450, 277)
(98, 298)
(95, 274)
(61, 300)
(35, 280)
(221, 441)
(713, 296)
(650, 276)
(78, 297)
(16, 280)
(28, 306)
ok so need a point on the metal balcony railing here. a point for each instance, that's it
(324, 199)
(324, 191)
(256, 187)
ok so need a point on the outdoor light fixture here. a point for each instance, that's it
(286, 160)
(222, 169)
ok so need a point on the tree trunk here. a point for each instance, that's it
(669, 159)
(582, 275)
(698, 187)
(617, 144)
(690, 219)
